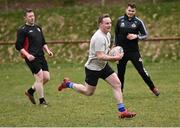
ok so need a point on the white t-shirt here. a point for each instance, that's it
(99, 42)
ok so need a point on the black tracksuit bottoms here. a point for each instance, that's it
(136, 60)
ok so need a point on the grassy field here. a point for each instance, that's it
(71, 109)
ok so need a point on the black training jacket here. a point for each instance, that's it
(125, 26)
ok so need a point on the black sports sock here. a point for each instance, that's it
(31, 91)
(41, 100)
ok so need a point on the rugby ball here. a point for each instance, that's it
(115, 50)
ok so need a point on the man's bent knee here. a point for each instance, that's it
(46, 79)
(117, 85)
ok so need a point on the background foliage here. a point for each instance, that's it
(77, 22)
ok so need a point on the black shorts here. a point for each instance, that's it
(93, 76)
(37, 64)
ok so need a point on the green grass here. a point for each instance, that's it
(69, 108)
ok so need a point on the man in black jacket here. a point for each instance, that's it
(31, 43)
(129, 29)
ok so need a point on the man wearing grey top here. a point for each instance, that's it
(97, 67)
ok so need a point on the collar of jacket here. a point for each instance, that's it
(127, 18)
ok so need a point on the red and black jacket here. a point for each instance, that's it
(30, 38)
